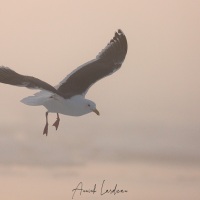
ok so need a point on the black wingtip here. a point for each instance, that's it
(120, 31)
(116, 49)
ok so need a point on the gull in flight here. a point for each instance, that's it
(68, 97)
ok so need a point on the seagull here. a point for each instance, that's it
(68, 97)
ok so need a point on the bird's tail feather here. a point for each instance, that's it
(34, 100)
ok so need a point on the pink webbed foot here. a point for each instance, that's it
(56, 123)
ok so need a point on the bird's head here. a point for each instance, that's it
(91, 106)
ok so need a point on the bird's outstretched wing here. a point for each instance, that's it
(107, 62)
(10, 77)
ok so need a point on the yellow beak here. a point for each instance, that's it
(96, 111)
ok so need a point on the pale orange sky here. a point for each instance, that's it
(149, 108)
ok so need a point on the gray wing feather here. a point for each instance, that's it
(107, 62)
(8, 76)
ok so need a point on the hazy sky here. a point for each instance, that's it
(151, 105)
(149, 108)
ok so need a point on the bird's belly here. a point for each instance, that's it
(64, 107)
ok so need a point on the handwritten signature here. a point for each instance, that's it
(80, 189)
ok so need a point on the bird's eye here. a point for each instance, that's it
(89, 105)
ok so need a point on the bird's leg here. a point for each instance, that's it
(56, 123)
(45, 132)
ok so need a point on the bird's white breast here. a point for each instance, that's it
(73, 106)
